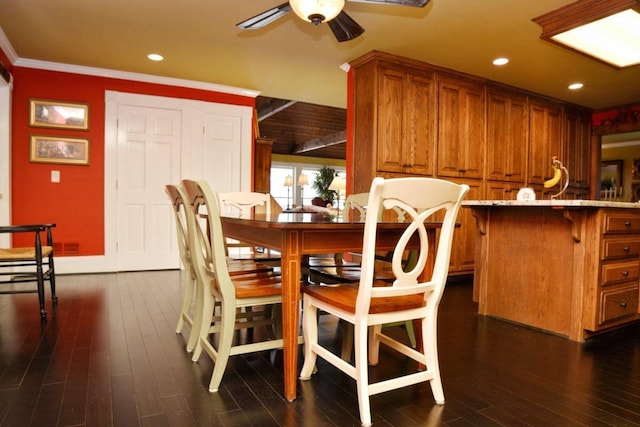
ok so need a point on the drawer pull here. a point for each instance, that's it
(627, 224)
(625, 273)
(623, 304)
(626, 249)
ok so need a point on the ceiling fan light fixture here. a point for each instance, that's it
(317, 11)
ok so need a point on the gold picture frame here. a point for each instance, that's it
(57, 114)
(61, 150)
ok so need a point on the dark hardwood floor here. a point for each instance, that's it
(109, 356)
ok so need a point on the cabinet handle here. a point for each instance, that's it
(462, 170)
(627, 224)
(623, 304)
(626, 248)
(625, 273)
(507, 174)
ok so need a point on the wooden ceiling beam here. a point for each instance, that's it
(322, 142)
(273, 107)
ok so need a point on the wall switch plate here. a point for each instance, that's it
(55, 176)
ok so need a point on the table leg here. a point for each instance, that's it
(290, 311)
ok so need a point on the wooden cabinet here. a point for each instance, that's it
(394, 119)
(500, 190)
(572, 269)
(507, 135)
(616, 296)
(262, 165)
(577, 136)
(461, 128)
(405, 136)
(545, 139)
(464, 238)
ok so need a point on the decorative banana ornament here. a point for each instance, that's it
(557, 173)
(558, 168)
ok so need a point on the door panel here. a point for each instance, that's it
(148, 159)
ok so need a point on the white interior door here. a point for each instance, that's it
(149, 141)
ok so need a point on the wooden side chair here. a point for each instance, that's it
(260, 292)
(29, 264)
(243, 204)
(180, 203)
(410, 296)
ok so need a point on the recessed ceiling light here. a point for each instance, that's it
(155, 57)
(500, 61)
(575, 86)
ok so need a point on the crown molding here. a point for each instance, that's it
(5, 45)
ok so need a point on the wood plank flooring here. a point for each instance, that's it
(109, 356)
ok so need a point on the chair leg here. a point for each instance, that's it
(310, 335)
(374, 344)
(227, 330)
(186, 300)
(52, 281)
(362, 377)
(431, 355)
(40, 280)
(205, 304)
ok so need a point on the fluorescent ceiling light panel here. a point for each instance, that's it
(615, 39)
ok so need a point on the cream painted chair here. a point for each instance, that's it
(370, 304)
(243, 204)
(180, 202)
(260, 292)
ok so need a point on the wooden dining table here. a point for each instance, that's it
(295, 235)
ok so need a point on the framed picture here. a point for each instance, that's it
(610, 174)
(56, 114)
(52, 149)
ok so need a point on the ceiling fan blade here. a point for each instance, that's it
(416, 3)
(344, 27)
(265, 18)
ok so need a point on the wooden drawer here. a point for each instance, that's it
(621, 222)
(617, 248)
(620, 271)
(617, 304)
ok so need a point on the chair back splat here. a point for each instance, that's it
(414, 292)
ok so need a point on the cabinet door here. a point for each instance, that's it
(464, 238)
(461, 118)
(391, 111)
(578, 140)
(507, 136)
(419, 141)
(545, 139)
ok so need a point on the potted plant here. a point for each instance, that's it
(322, 183)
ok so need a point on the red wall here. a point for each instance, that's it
(76, 204)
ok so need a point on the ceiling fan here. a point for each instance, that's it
(344, 28)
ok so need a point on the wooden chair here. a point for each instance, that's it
(233, 293)
(27, 264)
(181, 203)
(243, 204)
(374, 303)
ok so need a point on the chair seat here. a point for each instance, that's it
(344, 297)
(257, 286)
(22, 254)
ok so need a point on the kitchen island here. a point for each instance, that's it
(569, 267)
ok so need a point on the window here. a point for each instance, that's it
(292, 196)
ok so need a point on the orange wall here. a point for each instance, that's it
(76, 204)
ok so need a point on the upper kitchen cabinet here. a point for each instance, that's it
(545, 139)
(394, 119)
(507, 135)
(577, 134)
(461, 127)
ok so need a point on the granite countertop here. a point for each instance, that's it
(552, 203)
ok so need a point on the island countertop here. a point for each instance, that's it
(552, 203)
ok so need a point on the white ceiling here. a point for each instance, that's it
(292, 59)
